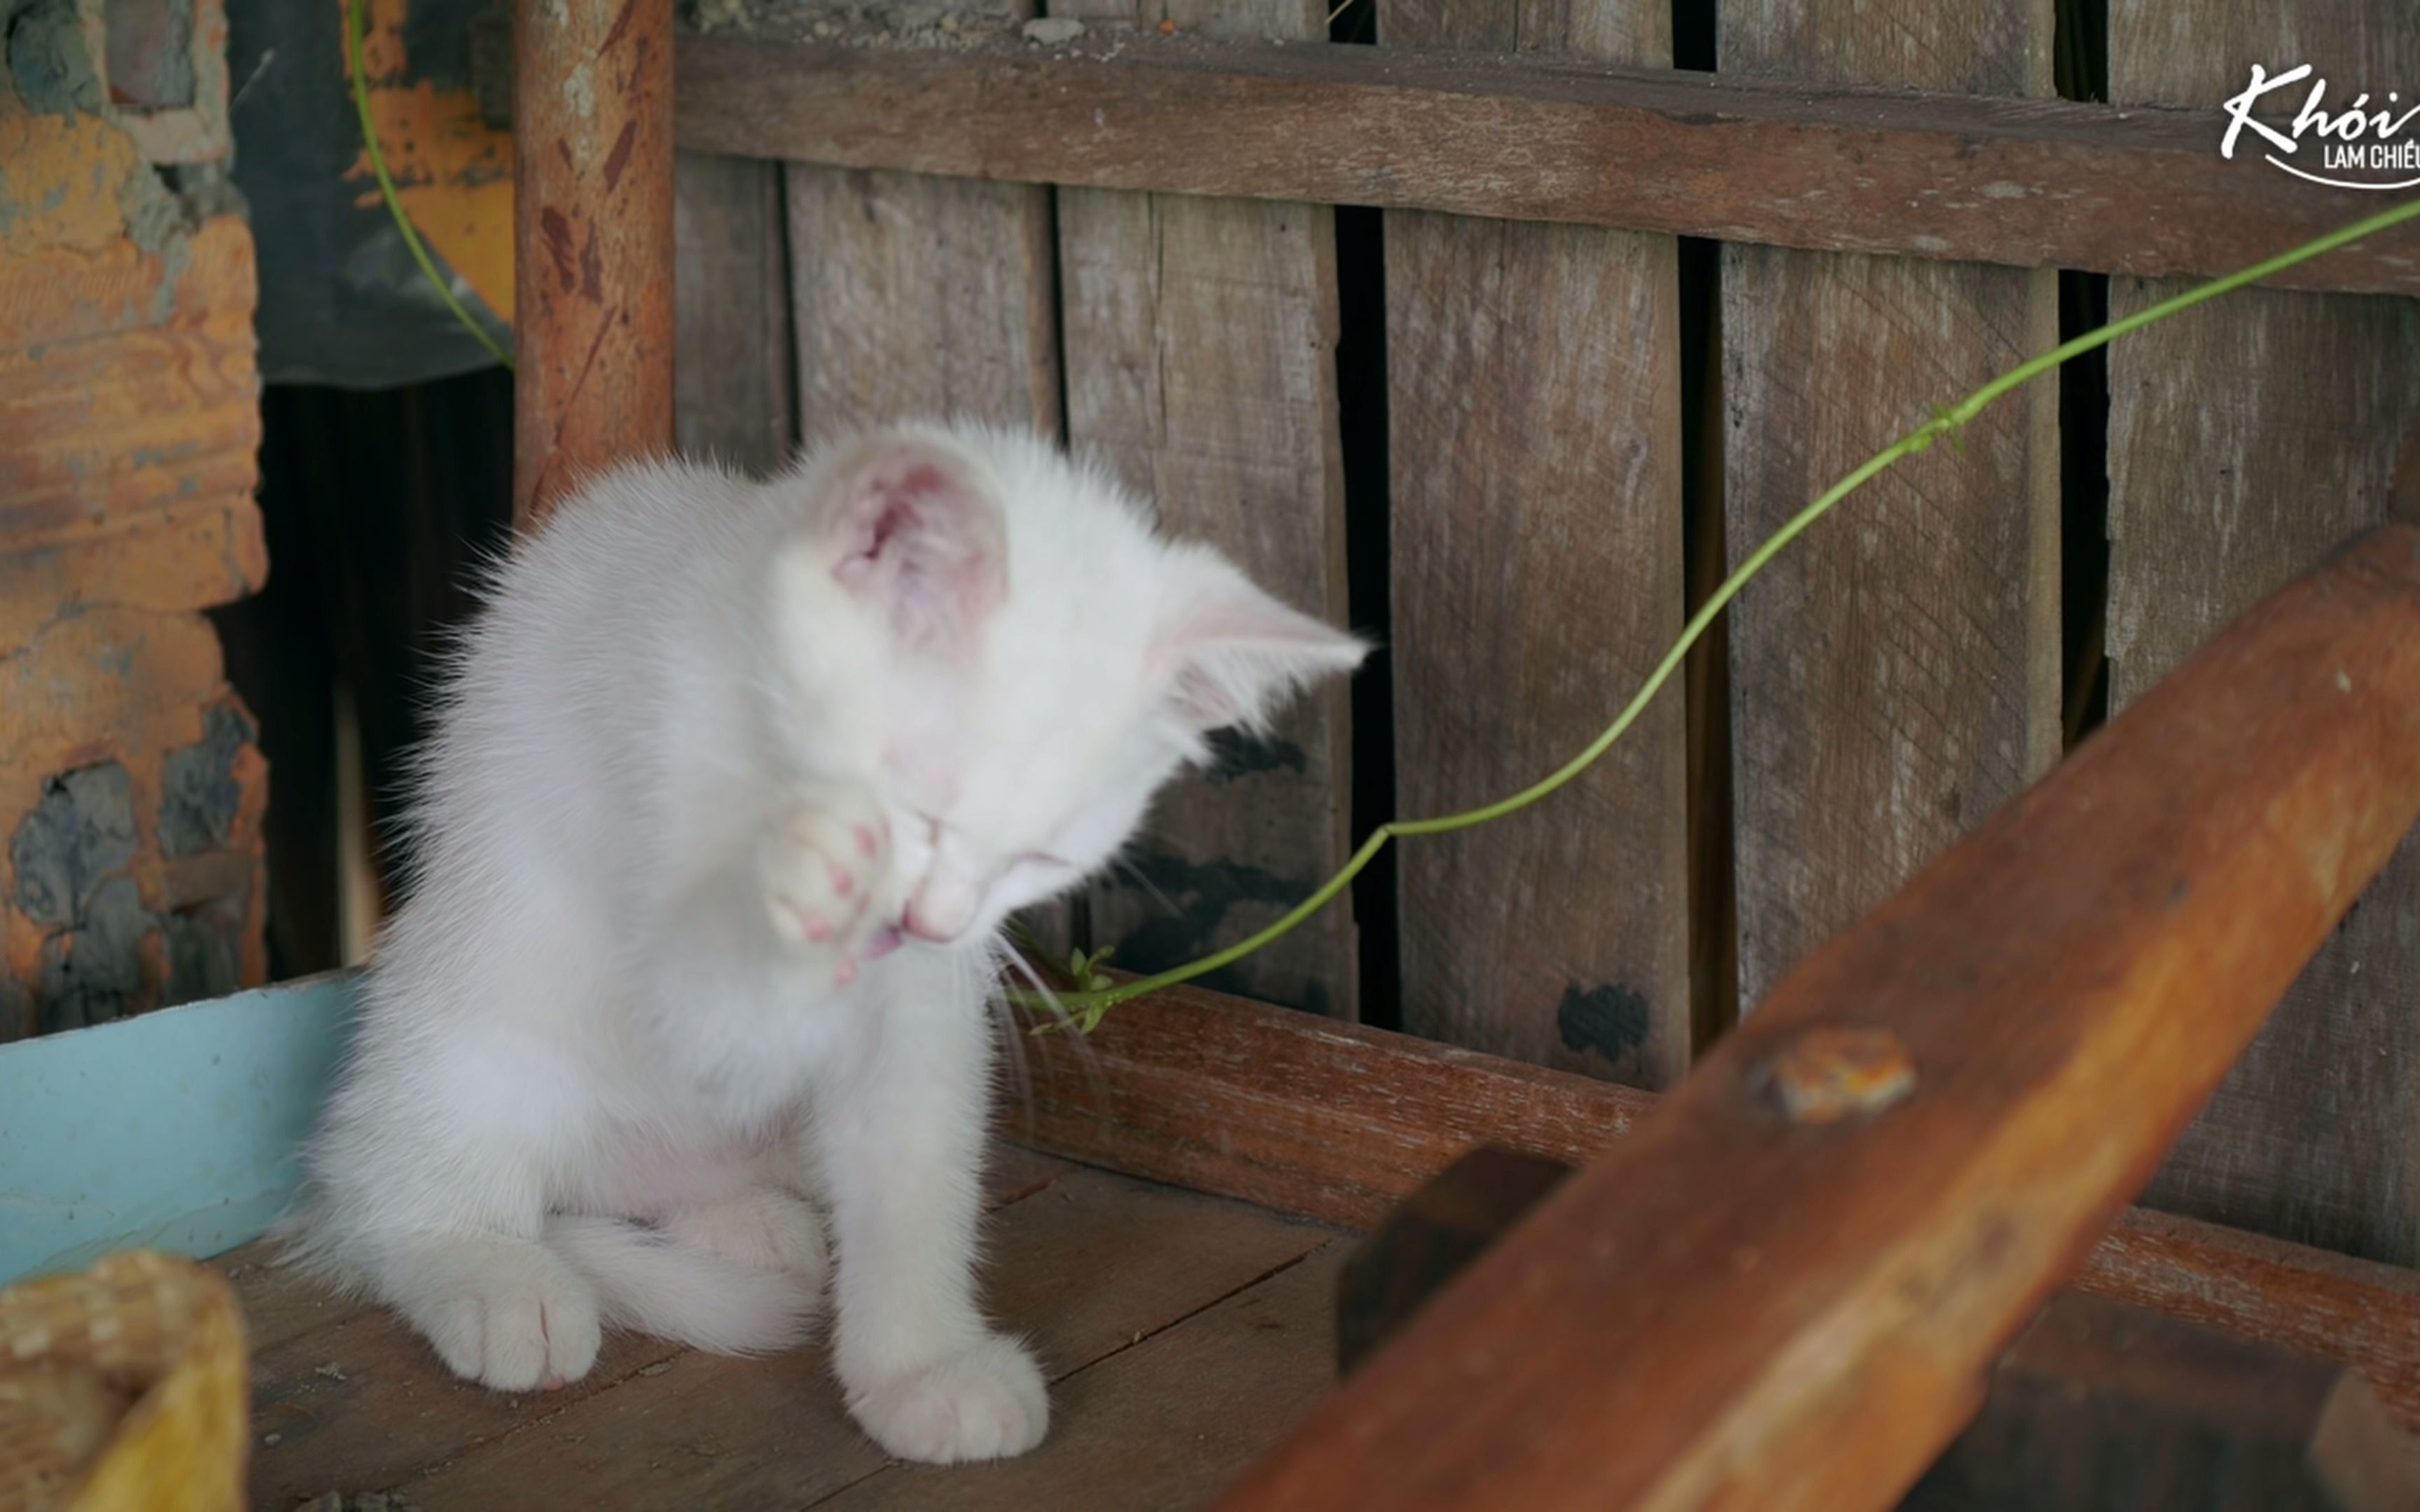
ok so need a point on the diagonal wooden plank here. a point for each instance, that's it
(1781, 1291)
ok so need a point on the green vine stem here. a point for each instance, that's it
(356, 25)
(1082, 1010)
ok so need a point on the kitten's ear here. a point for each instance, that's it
(1227, 653)
(923, 536)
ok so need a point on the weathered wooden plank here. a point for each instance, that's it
(1083, 1268)
(346, 1397)
(1330, 1120)
(921, 297)
(1199, 339)
(731, 377)
(1895, 676)
(2245, 438)
(2359, 1312)
(2134, 189)
(916, 295)
(1234, 1377)
(592, 240)
(279, 1302)
(364, 1405)
(1342, 1123)
(2058, 994)
(1533, 406)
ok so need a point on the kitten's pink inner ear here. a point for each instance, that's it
(927, 539)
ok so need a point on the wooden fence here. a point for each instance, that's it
(1584, 328)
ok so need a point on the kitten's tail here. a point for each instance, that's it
(649, 1283)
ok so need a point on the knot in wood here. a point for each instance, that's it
(1830, 1073)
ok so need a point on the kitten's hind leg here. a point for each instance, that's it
(507, 1313)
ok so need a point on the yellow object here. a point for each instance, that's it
(126, 1388)
(452, 173)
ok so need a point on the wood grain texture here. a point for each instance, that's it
(1894, 675)
(593, 250)
(1081, 1268)
(1229, 1381)
(1533, 407)
(918, 297)
(2068, 984)
(1342, 1123)
(346, 1397)
(2245, 438)
(1200, 338)
(1333, 1121)
(2361, 1313)
(2135, 191)
(915, 295)
(733, 383)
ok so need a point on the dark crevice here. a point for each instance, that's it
(786, 298)
(1714, 921)
(1713, 913)
(1693, 35)
(1361, 404)
(2081, 55)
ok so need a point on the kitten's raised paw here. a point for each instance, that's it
(505, 1313)
(826, 865)
(986, 1402)
(764, 1229)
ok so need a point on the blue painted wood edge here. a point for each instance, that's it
(176, 1130)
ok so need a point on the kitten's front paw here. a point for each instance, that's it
(987, 1402)
(505, 1313)
(826, 865)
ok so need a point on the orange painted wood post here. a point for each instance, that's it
(1782, 1291)
(593, 234)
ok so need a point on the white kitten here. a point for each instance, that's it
(734, 784)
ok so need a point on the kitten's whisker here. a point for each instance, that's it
(1021, 1069)
(1119, 863)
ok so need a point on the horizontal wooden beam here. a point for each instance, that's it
(2024, 182)
(1782, 1291)
(1340, 1122)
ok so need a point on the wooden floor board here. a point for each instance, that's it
(1164, 1424)
(1088, 1265)
(279, 1302)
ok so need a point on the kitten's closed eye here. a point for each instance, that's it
(1043, 860)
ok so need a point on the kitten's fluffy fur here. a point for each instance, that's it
(713, 750)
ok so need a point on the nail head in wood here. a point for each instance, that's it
(1831, 1073)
